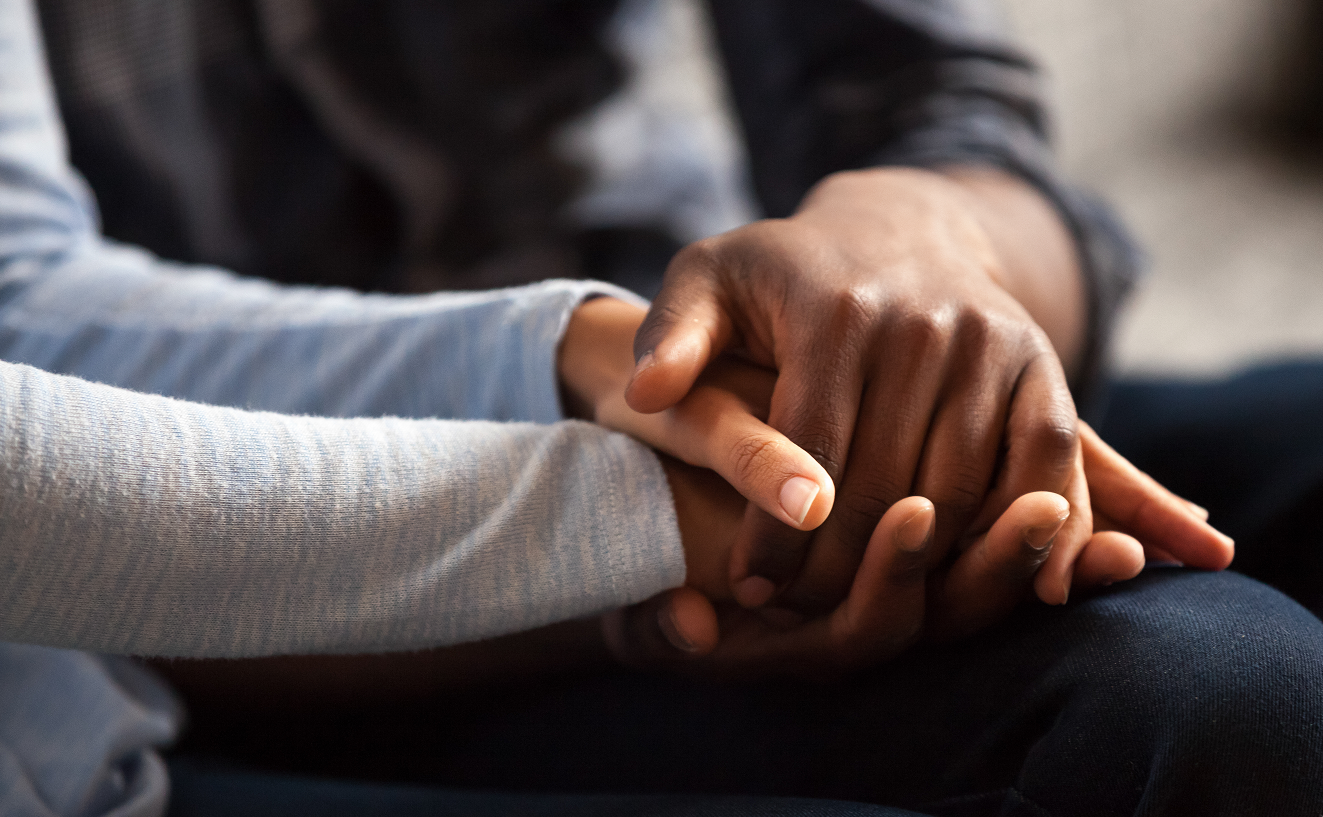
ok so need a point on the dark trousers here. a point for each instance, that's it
(1180, 692)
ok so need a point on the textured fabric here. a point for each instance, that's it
(137, 523)
(76, 733)
(420, 136)
(1177, 693)
(382, 530)
(206, 791)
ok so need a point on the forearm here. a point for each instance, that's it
(124, 318)
(135, 524)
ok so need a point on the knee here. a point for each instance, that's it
(1185, 640)
(1214, 679)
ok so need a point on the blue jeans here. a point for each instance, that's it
(1180, 692)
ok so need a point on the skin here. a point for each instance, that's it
(905, 592)
(922, 326)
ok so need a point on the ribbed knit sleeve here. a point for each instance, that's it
(132, 523)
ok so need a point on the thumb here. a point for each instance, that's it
(668, 629)
(685, 328)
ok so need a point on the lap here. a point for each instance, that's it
(1178, 681)
(1249, 448)
(202, 790)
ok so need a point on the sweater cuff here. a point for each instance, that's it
(551, 305)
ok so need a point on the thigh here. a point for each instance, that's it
(1178, 687)
(1250, 449)
(208, 790)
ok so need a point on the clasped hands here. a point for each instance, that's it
(877, 345)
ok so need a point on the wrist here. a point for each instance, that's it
(596, 358)
(915, 213)
(708, 514)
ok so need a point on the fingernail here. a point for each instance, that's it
(1227, 540)
(666, 620)
(1199, 510)
(754, 591)
(1042, 537)
(797, 495)
(646, 361)
(917, 531)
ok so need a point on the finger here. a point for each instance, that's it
(884, 611)
(1141, 507)
(1056, 576)
(815, 406)
(960, 456)
(685, 328)
(882, 614)
(1109, 557)
(889, 437)
(760, 462)
(713, 428)
(994, 574)
(670, 628)
(1041, 439)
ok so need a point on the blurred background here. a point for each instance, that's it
(1200, 120)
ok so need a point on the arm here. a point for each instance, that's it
(836, 85)
(134, 523)
(140, 524)
(73, 303)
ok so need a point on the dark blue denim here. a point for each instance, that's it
(201, 790)
(1178, 693)
(1249, 449)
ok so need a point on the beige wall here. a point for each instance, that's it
(1125, 71)
(1152, 98)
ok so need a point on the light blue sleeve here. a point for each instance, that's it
(74, 303)
(134, 523)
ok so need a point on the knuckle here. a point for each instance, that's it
(753, 458)
(975, 327)
(963, 488)
(1054, 437)
(923, 329)
(700, 255)
(658, 323)
(859, 511)
(856, 307)
(821, 443)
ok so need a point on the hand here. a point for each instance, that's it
(1120, 517)
(696, 627)
(1128, 503)
(894, 599)
(720, 424)
(905, 366)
